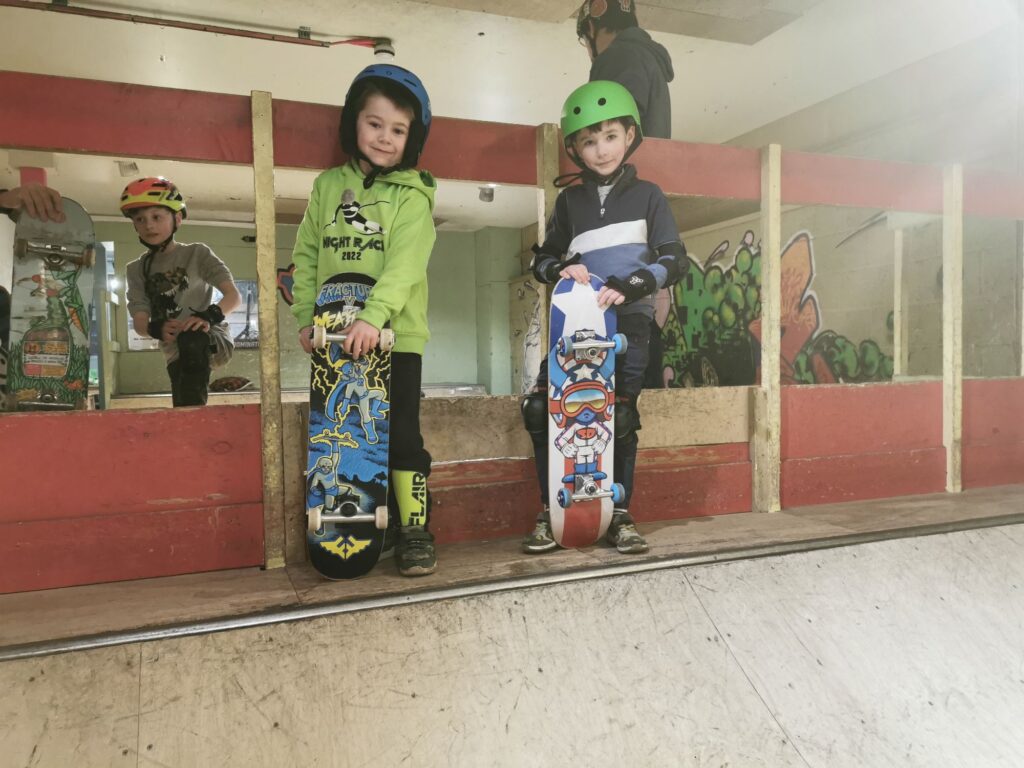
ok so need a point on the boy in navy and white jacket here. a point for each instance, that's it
(619, 228)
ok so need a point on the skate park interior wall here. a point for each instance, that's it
(140, 494)
(467, 277)
(837, 182)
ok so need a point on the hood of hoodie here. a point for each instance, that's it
(420, 180)
(634, 36)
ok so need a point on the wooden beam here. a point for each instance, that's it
(900, 307)
(549, 147)
(270, 353)
(810, 179)
(952, 323)
(767, 430)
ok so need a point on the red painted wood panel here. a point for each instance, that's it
(45, 554)
(993, 438)
(991, 194)
(689, 168)
(992, 464)
(833, 479)
(993, 411)
(68, 114)
(83, 464)
(306, 136)
(501, 498)
(811, 179)
(837, 420)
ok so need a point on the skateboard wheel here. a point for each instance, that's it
(565, 346)
(20, 249)
(319, 337)
(314, 522)
(387, 339)
(380, 517)
(618, 493)
(564, 498)
(89, 258)
(620, 343)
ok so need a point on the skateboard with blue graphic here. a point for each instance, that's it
(347, 460)
(583, 344)
(48, 356)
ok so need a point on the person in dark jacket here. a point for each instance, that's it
(625, 54)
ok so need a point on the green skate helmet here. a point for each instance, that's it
(594, 103)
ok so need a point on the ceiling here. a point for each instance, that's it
(733, 21)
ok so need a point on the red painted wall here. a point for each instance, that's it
(993, 437)
(849, 442)
(89, 497)
(481, 500)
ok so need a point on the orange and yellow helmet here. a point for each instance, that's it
(153, 190)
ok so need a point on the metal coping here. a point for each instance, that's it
(303, 613)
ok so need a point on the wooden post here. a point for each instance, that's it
(270, 358)
(548, 149)
(766, 445)
(952, 322)
(900, 304)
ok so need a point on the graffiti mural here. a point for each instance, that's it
(711, 324)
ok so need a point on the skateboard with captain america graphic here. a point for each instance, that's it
(583, 345)
(347, 458)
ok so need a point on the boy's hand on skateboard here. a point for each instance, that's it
(170, 330)
(360, 338)
(306, 339)
(576, 272)
(194, 324)
(37, 201)
(608, 297)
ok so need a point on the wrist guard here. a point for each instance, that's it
(212, 314)
(639, 284)
(156, 329)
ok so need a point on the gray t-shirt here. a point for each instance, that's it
(176, 285)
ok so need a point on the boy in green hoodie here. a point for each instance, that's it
(373, 215)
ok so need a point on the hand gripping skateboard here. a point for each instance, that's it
(581, 413)
(347, 460)
(48, 365)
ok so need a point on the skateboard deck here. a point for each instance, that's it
(48, 360)
(347, 461)
(581, 413)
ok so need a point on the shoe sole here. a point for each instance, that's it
(418, 570)
(535, 549)
(634, 549)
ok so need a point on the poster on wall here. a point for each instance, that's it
(243, 322)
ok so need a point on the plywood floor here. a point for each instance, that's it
(904, 652)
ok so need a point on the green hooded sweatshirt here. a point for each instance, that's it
(386, 232)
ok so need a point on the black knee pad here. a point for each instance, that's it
(534, 408)
(627, 419)
(194, 350)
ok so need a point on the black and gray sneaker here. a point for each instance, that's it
(415, 551)
(541, 539)
(623, 535)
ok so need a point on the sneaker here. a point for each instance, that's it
(415, 551)
(623, 535)
(541, 539)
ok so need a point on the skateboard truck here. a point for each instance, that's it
(588, 489)
(588, 348)
(317, 518)
(321, 338)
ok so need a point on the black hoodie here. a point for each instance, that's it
(644, 67)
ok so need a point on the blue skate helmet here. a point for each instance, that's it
(403, 87)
